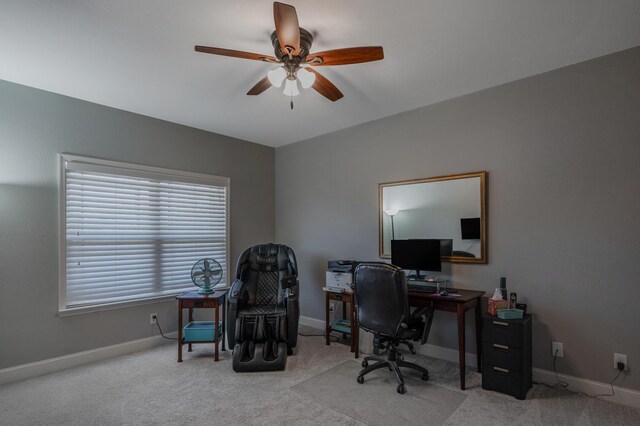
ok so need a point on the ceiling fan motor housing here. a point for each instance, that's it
(306, 40)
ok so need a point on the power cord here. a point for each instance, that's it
(560, 384)
(331, 338)
(160, 329)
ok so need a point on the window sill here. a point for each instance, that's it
(65, 312)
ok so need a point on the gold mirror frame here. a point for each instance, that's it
(483, 214)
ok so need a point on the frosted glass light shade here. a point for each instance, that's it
(277, 76)
(307, 78)
(291, 88)
(391, 212)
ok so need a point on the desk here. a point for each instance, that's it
(192, 300)
(467, 300)
(346, 298)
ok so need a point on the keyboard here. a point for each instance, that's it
(421, 287)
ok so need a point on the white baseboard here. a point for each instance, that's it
(447, 354)
(312, 322)
(623, 396)
(38, 368)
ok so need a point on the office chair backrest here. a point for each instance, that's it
(381, 297)
(262, 268)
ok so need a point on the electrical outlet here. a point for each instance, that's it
(557, 350)
(620, 358)
(153, 318)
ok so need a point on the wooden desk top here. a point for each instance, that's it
(464, 295)
(195, 295)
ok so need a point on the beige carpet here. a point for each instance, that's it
(150, 388)
(376, 402)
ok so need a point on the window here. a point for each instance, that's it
(130, 234)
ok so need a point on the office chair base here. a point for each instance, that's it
(394, 366)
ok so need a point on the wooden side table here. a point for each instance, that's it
(194, 300)
(345, 297)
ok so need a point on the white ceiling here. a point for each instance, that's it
(138, 55)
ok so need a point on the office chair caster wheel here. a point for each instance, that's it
(365, 364)
(360, 379)
(401, 389)
(425, 376)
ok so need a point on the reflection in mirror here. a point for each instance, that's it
(449, 208)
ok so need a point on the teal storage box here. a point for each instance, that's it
(510, 313)
(342, 325)
(201, 331)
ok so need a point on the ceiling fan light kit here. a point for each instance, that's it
(291, 88)
(306, 78)
(277, 76)
(292, 47)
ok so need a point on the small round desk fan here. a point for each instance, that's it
(206, 273)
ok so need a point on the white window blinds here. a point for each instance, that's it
(133, 233)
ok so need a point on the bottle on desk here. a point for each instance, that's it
(503, 287)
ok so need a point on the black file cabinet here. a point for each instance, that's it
(506, 355)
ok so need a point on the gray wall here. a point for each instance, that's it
(34, 127)
(562, 150)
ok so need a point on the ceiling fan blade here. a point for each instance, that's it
(262, 85)
(325, 87)
(287, 27)
(235, 53)
(349, 55)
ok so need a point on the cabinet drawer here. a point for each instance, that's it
(341, 297)
(212, 303)
(504, 332)
(504, 380)
(503, 356)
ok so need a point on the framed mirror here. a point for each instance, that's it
(450, 208)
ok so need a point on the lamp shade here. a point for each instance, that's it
(391, 212)
(306, 78)
(291, 88)
(277, 76)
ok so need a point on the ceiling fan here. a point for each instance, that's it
(292, 46)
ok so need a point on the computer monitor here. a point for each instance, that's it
(446, 247)
(470, 228)
(418, 255)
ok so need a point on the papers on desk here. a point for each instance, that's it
(334, 289)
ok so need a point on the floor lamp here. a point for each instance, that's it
(391, 213)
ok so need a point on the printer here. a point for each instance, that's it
(340, 274)
(342, 265)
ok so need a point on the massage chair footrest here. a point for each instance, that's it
(250, 356)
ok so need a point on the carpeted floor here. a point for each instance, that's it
(150, 387)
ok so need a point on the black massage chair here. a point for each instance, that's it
(263, 313)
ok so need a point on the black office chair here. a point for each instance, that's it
(263, 312)
(383, 309)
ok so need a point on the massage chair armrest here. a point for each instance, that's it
(293, 315)
(236, 292)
